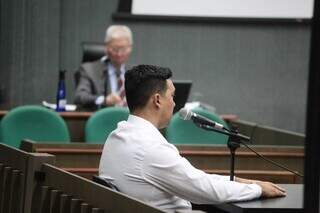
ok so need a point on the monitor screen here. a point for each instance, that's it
(182, 92)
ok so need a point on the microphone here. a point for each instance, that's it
(186, 114)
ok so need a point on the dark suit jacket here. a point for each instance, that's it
(93, 82)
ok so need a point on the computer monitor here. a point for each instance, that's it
(182, 92)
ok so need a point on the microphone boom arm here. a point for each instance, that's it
(236, 137)
(234, 141)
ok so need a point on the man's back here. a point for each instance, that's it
(124, 159)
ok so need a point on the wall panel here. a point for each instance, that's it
(256, 70)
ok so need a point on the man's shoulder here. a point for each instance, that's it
(92, 65)
(161, 153)
(162, 146)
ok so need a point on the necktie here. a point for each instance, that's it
(106, 80)
(121, 90)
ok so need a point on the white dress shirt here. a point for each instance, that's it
(113, 81)
(141, 163)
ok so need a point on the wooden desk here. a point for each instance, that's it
(76, 122)
(292, 203)
(260, 135)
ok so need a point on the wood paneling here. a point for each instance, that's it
(83, 159)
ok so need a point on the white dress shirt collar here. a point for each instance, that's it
(140, 121)
(146, 125)
(112, 69)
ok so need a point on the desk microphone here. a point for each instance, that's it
(187, 114)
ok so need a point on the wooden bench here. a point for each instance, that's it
(30, 183)
(16, 178)
(66, 192)
(83, 159)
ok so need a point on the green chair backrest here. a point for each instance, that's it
(186, 132)
(35, 123)
(103, 122)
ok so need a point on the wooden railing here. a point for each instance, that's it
(83, 159)
(218, 157)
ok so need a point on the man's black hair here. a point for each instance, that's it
(142, 81)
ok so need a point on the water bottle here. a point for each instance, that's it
(61, 93)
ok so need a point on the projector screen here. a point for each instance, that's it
(296, 9)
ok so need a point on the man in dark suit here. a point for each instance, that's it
(101, 82)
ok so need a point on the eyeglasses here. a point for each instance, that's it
(119, 49)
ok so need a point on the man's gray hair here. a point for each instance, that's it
(118, 31)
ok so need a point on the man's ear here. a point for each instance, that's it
(157, 100)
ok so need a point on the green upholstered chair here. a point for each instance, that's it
(186, 132)
(103, 122)
(35, 123)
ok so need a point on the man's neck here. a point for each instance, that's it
(116, 66)
(148, 115)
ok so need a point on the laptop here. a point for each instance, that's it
(182, 92)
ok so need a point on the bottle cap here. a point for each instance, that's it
(62, 74)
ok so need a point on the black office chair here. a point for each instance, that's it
(104, 182)
(91, 51)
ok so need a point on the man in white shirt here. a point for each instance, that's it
(141, 163)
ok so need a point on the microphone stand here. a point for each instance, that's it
(234, 140)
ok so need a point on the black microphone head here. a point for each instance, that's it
(185, 114)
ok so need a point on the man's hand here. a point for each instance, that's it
(112, 99)
(268, 189)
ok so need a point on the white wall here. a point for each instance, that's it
(226, 8)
